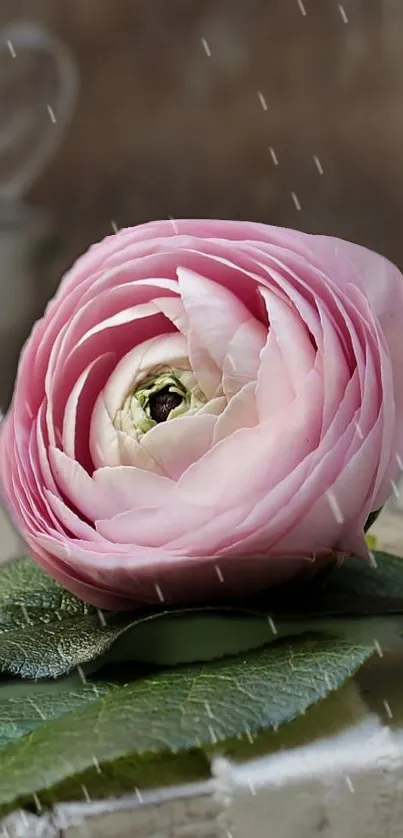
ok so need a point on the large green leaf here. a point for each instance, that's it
(382, 579)
(47, 632)
(44, 630)
(351, 588)
(123, 739)
(25, 585)
(25, 706)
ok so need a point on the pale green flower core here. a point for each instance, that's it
(162, 396)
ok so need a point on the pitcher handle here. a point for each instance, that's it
(43, 120)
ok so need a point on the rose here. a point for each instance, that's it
(205, 408)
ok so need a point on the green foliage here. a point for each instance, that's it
(130, 733)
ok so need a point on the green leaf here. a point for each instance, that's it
(199, 634)
(382, 579)
(371, 541)
(47, 632)
(44, 630)
(127, 738)
(336, 713)
(25, 706)
(353, 588)
(25, 585)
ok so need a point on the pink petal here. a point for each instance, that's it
(213, 312)
(274, 390)
(178, 443)
(91, 593)
(117, 336)
(242, 359)
(340, 508)
(42, 447)
(323, 328)
(70, 520)
(131, 487)
(214, 407)
(286, 505)
(110, 447)
(135, 583)
(79, 488)
(153, 526)
(79, 408)
(300, 486)
(257, 456)
(241, 412)
(292, 338)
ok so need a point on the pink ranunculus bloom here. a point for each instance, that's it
(205, 409)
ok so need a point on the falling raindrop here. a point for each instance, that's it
(219, 573)
(350, 784)
(160, 595)
(296, 201)
(335, 507)
(85, 793)
(11, 48)
(51, 114)
(318, 164)
(272, 625)
(273, 155)
(206, 47)
(262, 100)
(378, 648)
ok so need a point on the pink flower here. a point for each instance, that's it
(204, 409)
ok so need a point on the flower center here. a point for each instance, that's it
(161, 397)
(162, 403)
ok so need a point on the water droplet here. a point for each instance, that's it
(206, 47)
(262, 100)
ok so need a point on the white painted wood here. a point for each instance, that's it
(346, 786)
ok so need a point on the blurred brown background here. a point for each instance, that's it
(285, 111)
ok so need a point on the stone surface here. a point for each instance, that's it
(10, 543)
(349, 787)
(388, 529)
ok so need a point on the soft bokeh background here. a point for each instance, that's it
(162, 128)
(283, 111)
